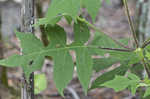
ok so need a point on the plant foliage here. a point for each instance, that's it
(34, 52)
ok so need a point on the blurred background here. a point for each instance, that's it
(111, 19)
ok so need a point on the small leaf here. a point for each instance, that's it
(92, 7)
(133, 77)
(82, 33)
(134, 86)
(147, 93)
(107, 76)
(147, 80)
(134, 81)
(40, 83)
(13, 61)
(118, 83)
(142, 85)
(45, 21)
(68, 19)
(59, 7)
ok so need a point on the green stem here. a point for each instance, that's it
(134, 36)
(98, 30)
(146, 68)
(130, 23)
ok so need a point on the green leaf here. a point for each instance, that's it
(134, 58)
(68, 19)
(13, 61)
(124, 41)
(137, 69)
(133, 87)
(103, 63)
(147, 80)
(59, 7)
(82, 33)
(27, 39)
(84, 67)
(63, 69)
(107, 76)
(147, 92)
(133, 77)
(45, 21)
(83, 59)
(118, 83)
(134, 81)
(34, 52)
(104, 41)
(36, 45)
(63, 64)
(147, 55)
(40, 83)
(92, 7)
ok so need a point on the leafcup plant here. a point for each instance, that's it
(34, 50)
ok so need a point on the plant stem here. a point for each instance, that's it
(134, 36)
(146, 68)
(146, 43)
(117, 49)
(98, 30)
(130, 23)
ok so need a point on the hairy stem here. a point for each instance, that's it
(130, 23)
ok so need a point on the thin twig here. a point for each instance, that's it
(117, 49)
(146, 68)
(96, 29)
(130, 23)
(146, 43)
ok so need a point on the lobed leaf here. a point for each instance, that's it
(71, 8)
